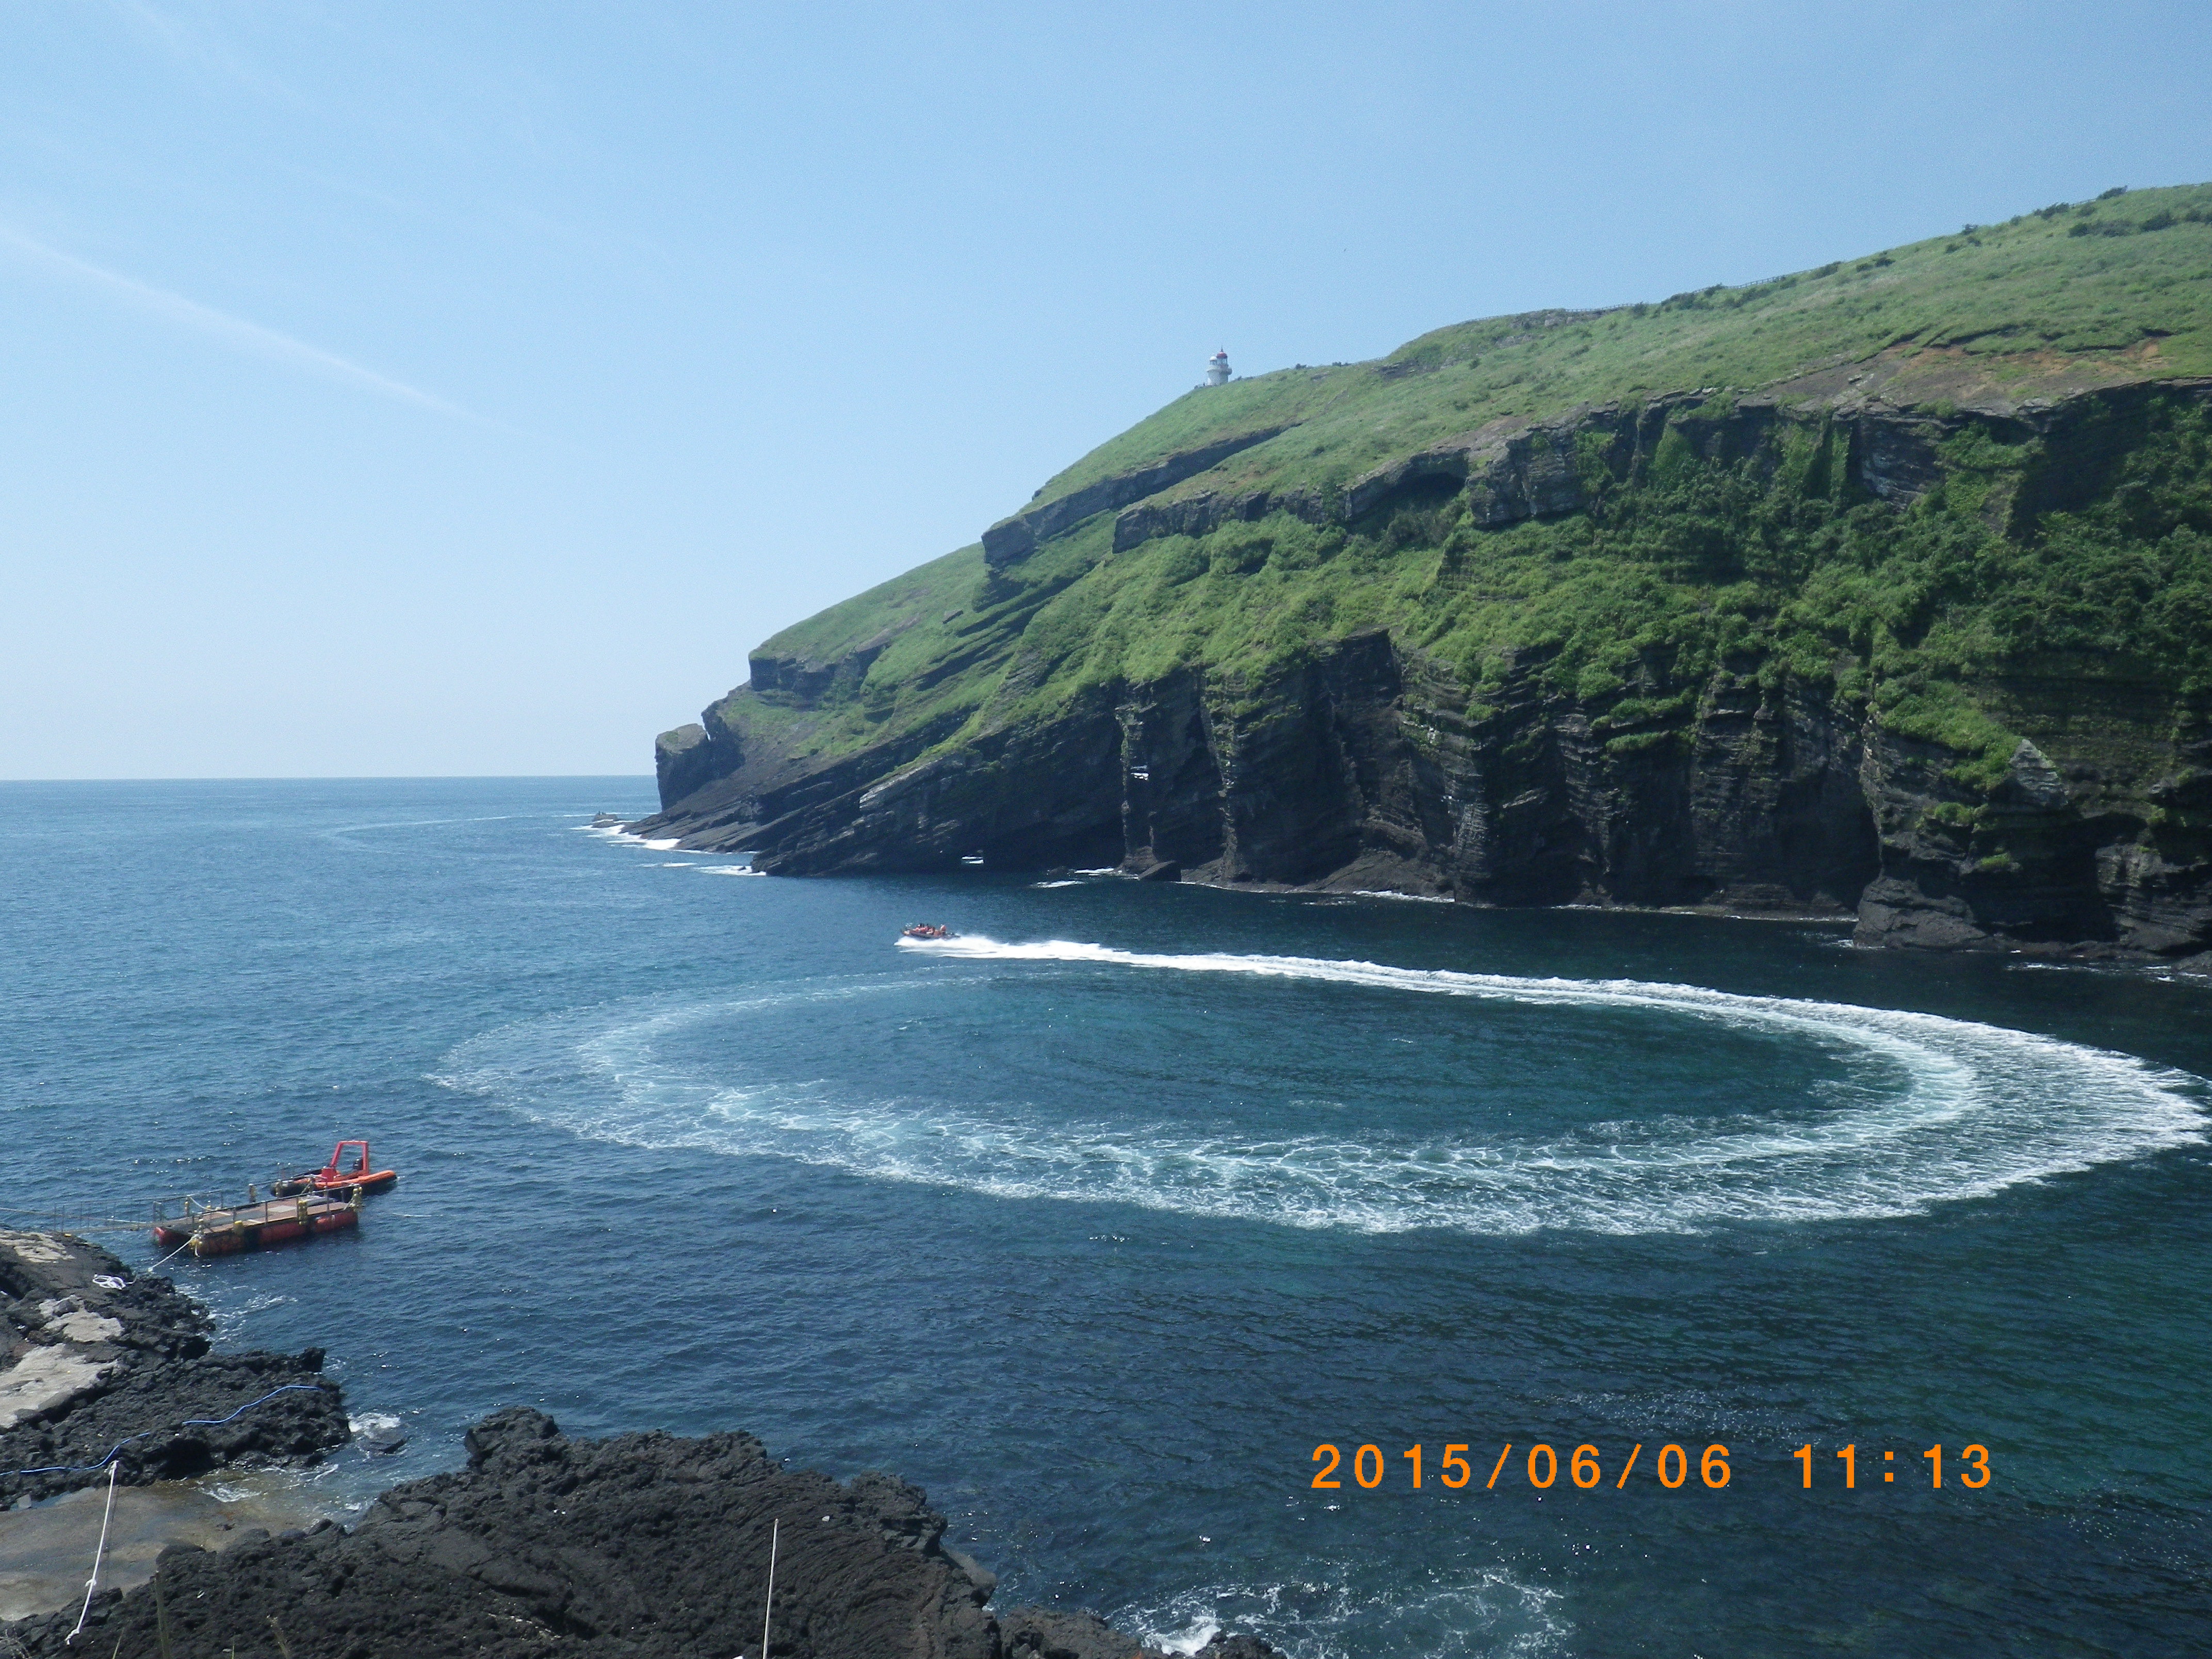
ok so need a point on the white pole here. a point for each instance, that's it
(93, 1583)
(774, 1534)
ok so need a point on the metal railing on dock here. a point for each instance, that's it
(182, 1207)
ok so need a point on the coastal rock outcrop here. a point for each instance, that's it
(2074, 849)
(92, 1357)
(1874, 591)
(1367, 768)
(1368, 764)
(639, 1546)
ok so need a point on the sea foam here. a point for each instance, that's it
(1335, 1610)
(1953, 1110)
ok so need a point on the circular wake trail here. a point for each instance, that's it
(1950, 1109)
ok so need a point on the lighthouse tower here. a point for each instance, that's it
(1217, 368)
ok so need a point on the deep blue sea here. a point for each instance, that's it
(1098, 1220)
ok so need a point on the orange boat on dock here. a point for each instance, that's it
(323, 1200)
(341, 1175)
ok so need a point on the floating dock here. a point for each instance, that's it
(254, 1226)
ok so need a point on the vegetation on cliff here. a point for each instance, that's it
(1692, 558)
(1905, 485)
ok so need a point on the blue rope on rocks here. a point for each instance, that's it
(189, 1423)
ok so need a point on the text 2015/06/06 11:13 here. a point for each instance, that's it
(1672, 1468)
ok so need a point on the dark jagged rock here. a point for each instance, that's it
(685, 759)
(1364, 768)
(91, 1356)
(639, 1547)
(2086, 847)
(1041, 1634)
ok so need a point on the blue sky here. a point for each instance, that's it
(463, 389)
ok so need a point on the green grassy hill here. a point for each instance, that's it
(1912, 481)
(2053, 302)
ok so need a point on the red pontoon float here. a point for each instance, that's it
(253, 1226)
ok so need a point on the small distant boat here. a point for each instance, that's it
(925, 930)
(256, 1227)
(341, 1175)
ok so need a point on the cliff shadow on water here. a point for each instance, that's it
(1912, 632)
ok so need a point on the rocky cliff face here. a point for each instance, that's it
(1368, 769)
(2094, 840)
(1368, 764)
(1509, 471)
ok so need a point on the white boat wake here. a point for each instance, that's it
(1939, 1110)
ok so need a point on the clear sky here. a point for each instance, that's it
(463, 388)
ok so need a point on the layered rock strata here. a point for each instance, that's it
(1368, 765)
(1366, 768)
(1509, 471)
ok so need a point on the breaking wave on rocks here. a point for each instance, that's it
(1935, 1109)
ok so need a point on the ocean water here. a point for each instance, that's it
(1097, 1221)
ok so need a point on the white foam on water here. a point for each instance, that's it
(233, 1304)
(344, 834)
(1057, 883)
(2161, 973)
(619, 835)
(725, 869)
(1202, 1628)
(1456, 1615)
(1410, 898)
(1937, 1109)
(230, 1315)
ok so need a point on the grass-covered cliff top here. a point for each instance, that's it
(2111, 289)
(1665, 574)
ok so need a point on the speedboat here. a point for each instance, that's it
(340, 1175)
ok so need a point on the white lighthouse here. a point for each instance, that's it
(1217, 368)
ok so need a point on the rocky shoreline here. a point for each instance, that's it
(637, 1546)
(94, 1359)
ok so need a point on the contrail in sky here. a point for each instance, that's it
(266, 341)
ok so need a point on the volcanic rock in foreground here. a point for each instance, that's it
(91, 1357)
(641, 1546)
